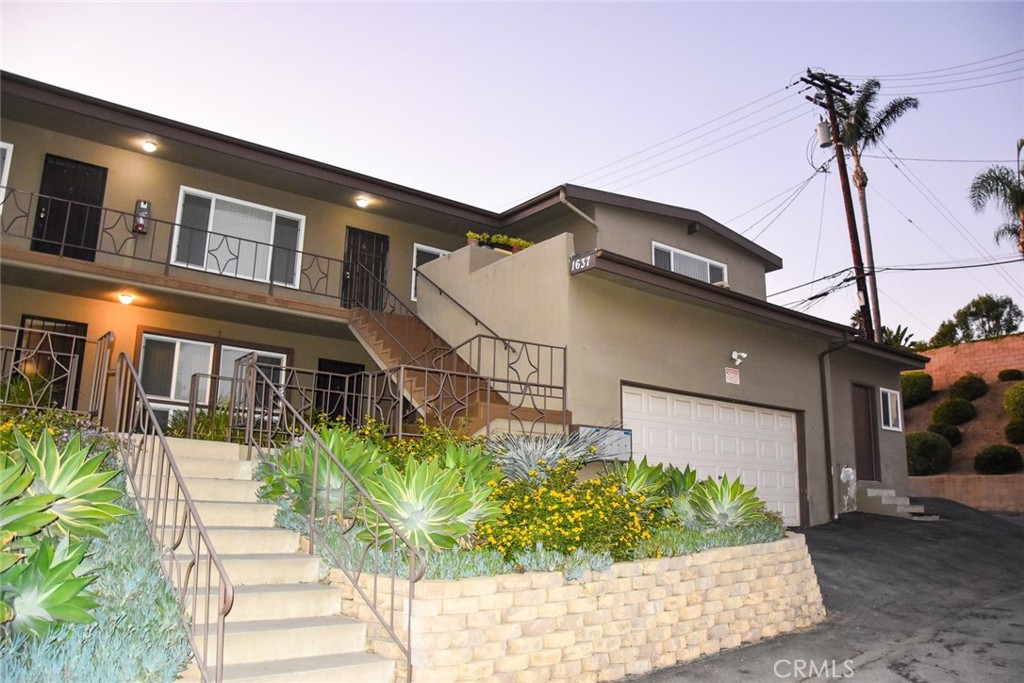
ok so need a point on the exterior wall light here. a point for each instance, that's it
(362, 201)
(125, 298)
(149, 146)
(738, 357)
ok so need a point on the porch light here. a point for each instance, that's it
(362, 201)
(149, 146)
(125, 298)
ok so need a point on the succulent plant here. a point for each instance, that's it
(723, 504)
(521, 457)
(45, 589)
(641, 478)
(677, 491)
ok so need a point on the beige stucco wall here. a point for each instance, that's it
(133, 175)
(128, 322)
(630, 233)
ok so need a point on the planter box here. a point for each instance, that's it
(629, 619)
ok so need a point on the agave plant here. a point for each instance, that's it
(678, 490)
(475, 464)
(46, 589)
(723, 504)
(290, 473)
(83, 503)
(640, 478)
(521, 457)
(427, 503)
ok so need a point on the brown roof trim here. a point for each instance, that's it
(44, 93)
(645, 273)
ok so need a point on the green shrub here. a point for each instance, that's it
(723, 504)
(928, 453)
(954, 411)
(1013, 401)
(916, 388)
(1011, 375)
(970, 387)
(999, 459)
(1015, 431)
(951, 433)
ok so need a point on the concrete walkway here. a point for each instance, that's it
(924, 602)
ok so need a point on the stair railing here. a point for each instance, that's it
(271, 422)
(186, 553)
(100, 373)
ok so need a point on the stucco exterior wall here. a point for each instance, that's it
(627, 620)
(133, 175)
(630, 233)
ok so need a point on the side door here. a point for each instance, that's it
(68, 213)
(366, 269)
(865, 433)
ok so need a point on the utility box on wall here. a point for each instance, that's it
(617, 444)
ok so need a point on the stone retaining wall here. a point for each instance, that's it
(629, 619)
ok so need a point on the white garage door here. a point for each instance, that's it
(759, 445)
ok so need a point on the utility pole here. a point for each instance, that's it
(827, 85)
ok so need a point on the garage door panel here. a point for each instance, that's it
(756, 445)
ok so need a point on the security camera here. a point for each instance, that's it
(738, 357)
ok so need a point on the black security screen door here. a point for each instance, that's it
(366, 266)
(68, 214)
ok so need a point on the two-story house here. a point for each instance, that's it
(192, 249)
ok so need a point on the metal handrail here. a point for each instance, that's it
(187, 555)
(445, 293)
(117, 235)
(269, 420)
(100, 373)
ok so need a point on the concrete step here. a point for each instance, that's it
(217, 450)
(243, 539)
(281, 601)
(217, 513)
(276, 639)
(271, 568)
(909, 509)
(211, 488)
(213, 468)
(352, 667)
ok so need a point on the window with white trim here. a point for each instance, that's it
(5, 165)
(421, 254)
(690, 265)
(236, 238)
(892, 410)
(167, 363)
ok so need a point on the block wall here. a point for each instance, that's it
(629, 619)
(985, 358)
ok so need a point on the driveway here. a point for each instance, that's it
(925, 602)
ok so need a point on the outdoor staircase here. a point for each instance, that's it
(284, 625)
(453, 389)
(880, 501)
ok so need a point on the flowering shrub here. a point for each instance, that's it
(60, 424)
(552, 508)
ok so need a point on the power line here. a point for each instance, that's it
(945, 68)
(948, 161)
(789, 202)
(773, 197)
(937, 92)
(954, 71)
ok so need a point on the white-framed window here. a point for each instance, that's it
(421, 254)
(690, 265)
(6, 149)
(236, 238)
(892, 410)
(167, 363)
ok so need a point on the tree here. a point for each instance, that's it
(1004, 187)
(986, 316)
(864, 126)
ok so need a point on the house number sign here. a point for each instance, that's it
(580, 262)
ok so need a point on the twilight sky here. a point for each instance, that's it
(684, 103)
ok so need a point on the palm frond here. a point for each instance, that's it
(998, 184)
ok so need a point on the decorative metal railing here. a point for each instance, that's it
(43, 368)
(187, 555)
(270, 422)
(93, 233)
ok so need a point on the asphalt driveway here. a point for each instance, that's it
(925, 602)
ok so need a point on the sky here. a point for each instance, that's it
(691, 104)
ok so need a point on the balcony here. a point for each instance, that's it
(41, 233)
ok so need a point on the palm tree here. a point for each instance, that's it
(863, 127)
(1006, 188)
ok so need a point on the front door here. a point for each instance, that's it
(366, 268)
(68, 213)
(339, 386)
(865, 441)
